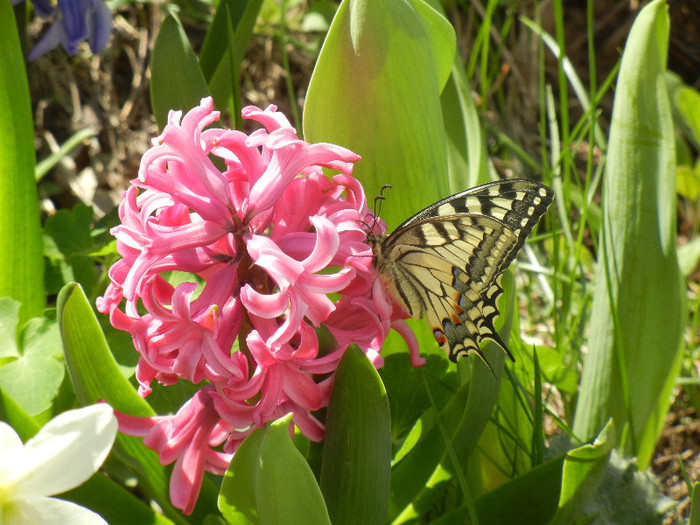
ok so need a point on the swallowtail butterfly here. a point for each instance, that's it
(446, 261)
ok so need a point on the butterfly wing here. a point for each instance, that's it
(518, 204)
(445, 268)
(445, 262)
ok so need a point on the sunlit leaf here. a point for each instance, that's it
(22, 275)
(638, 308)
(357, 448)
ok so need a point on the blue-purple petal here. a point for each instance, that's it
(74, 23)
(43, 8)
(101, 26)
(50, 40)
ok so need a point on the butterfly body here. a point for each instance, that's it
(445, 262)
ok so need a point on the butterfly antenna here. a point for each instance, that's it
(379, 198)
(377, 208)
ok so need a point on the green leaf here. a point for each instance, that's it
(528, 499)
(18, 419)
(694, 517)
(467, 157)
(688, 103)
(269, 482)
(221, 64)
(638, 313)
(22, 275)
(68, 247)
(177, 81)
(120, 508)
(93, 369)
(33, 369)
(237, 498)
(689, 256)
(9, 317)
(357, 451)
(411, 474)
(375, 90)
(584, 469)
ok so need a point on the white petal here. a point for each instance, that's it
(12, 454)
(67, 451)
(49, 511)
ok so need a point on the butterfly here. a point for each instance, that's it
(445, 262)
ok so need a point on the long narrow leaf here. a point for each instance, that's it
(177, 82)
(22, 275)
(638, 308)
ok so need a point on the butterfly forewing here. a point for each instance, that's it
(518, 204)
(444, 262)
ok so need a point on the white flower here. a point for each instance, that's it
(65, 453)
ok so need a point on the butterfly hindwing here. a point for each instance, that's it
(444, 262)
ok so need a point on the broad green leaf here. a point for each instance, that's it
(638, 311)
(22, 275)
(33, 378)
(177, 81)
(92, 367)
(375, 90)
(357, 451)
(269, 482)
(286, 488)
(584, 468)
(237, 498)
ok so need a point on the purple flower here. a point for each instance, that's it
(74, 21)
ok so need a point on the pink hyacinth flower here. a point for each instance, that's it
(273, 248)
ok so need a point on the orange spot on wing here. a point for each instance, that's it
(439, 336)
